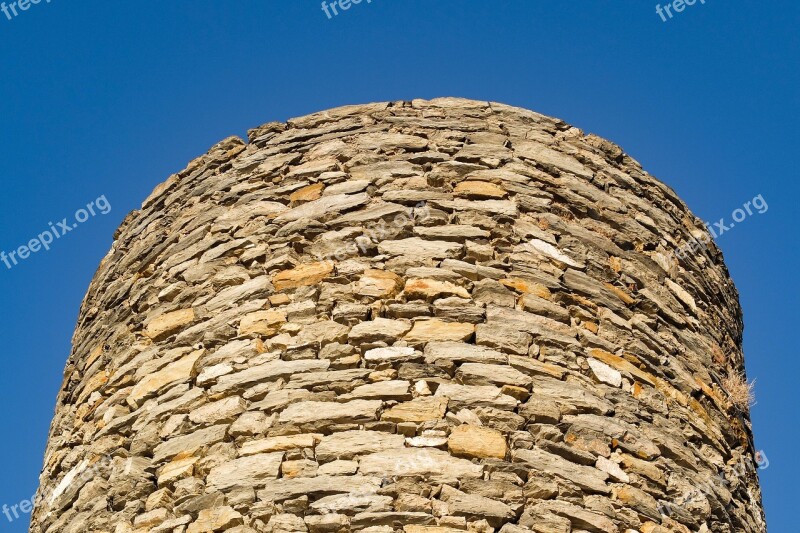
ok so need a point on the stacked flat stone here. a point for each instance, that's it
(428, 316)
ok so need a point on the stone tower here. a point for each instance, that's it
(428, 316)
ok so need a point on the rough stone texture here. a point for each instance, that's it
(426, 316)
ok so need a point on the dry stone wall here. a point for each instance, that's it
(427, 316)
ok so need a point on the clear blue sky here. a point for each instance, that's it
(110, 98)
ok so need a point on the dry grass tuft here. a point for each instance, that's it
(740, 392)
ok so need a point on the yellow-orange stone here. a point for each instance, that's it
(430, 289)
(94, 383)
(652, 527)
(180, 467)
(94, 355)
(216, 519)
(279, 299)
(180, 370)
(308, 274)
(477, 442)
(622, 295)
(379, 283)
(520, 285)
(418, 410)
(165, 325)
(439, 330)
(307, 194)
(430, 529)
(262, 323)
(620, 364)
(479, 189)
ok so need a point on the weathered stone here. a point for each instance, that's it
(482, 374)
(338, 468)
(434, 464)
(420, 248)
(226, 410)
(529, 287)
(479, 190)
(621, 364)
(267, 371)
(476, 507)
(379, 284)
(427, 441)
(309, 274)
(503, 339)
(612, 469)
(150, 519)
(267, 323)
(587, 478)
(462, 352)
(458, 309)
(428, 289)
(307, 194)
(392, 354)
(578, 516)
(386, 390)
(605, 373)
(171, 374)
(418, 410)
(489, 207)
(277, 400)
(571, 397)
(189, 443)
(454, 232)
(391, 141)
(354, 502)
(325, 205)
(312, 379)
(541, 153)
(549, 251)
(169, 323)
(300, 468)
(329, 523)
(349, 444)
(378, 330)
(476, 395)
(540, 306)
(283, 489)
(331, 412)
(412, 528)
(369, 521)
(370, 215)
(216, 519)
(245, 472)
(477, 442)
(286, 523)
(280, 444)
(438, 330)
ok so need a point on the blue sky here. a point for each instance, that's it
(110, 98)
